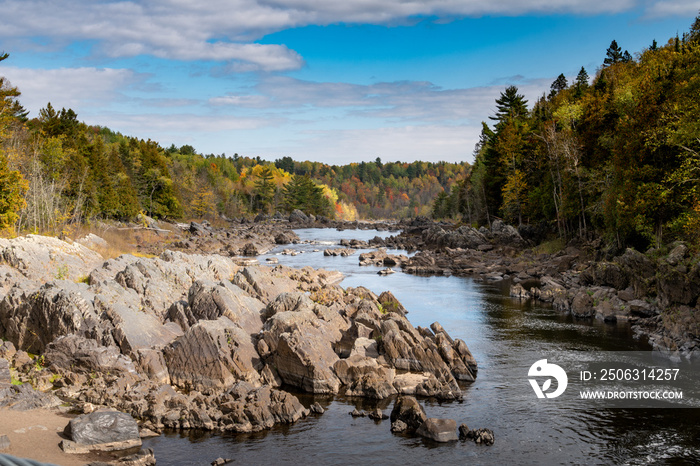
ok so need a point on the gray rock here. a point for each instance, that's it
(439, 430)
(102, 427)
(377, 415)
(247, 409)
(78, 354)
(297, 216)
(151, 363)
(263, 283)
(480, 436)
(24, 398)
(209, 300)
(391, 304)
(408, 410)
(582, 305)
(32, 319)
(211, 356)
(398, 427)
(7, 350)
(317, 408)
(45, 258)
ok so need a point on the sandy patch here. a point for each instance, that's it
(35, 434)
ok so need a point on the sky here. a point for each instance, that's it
(335, 81)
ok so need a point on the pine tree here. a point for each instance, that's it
(558, 85)
(613, 55)
(510, 105)
(264, 189)
(581, 83)
(694, 34)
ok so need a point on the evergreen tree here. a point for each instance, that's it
(581, 83)
(510, 105)
(558, 85)
(694, 34)
(613, 55)
(303, 194)
(264, 189)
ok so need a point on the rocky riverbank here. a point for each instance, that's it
(198, 341)
(657, 292)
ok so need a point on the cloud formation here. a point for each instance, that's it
(225, 30)
(403, 101)
(72, 87)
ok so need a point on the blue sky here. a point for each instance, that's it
(334, 81)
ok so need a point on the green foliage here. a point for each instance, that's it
(303, 194)
(12, 189)
(62, 272)
(618, 158)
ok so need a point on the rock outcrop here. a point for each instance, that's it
(189, 341)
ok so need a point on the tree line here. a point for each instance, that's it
(615, 156)
(56, 170)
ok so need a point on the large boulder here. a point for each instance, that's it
(583, 304)
(297, 216)
(211, 356)
(102, 430)
(300, 342)
(305, 359)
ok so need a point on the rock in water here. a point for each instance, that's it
(440, 430)
(398, 427)
(408, 410)
(103, 427)
(316, 408)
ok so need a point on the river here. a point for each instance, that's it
(504, 336)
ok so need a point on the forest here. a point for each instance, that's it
(616, 156)
(56, 171)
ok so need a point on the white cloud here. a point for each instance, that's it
(401, 101)
(405, 143)
(673, 8)
(71, 87)
(223, 30)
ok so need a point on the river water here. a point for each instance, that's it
(506, 337)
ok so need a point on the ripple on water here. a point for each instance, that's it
(505, 335)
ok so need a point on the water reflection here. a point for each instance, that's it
(505, 335)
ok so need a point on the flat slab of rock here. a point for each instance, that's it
(101, 430)
(439, 430)
(25, 398)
